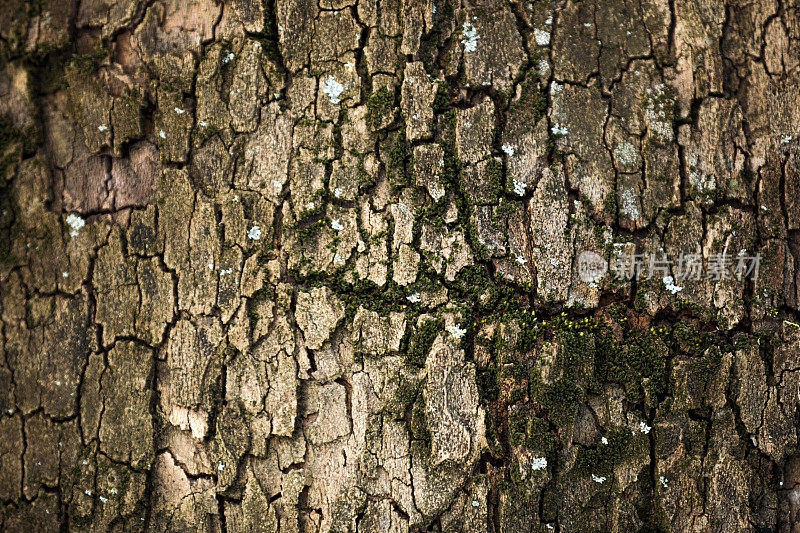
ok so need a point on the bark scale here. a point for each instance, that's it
(299, 265)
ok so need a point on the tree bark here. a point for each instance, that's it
(288, 265)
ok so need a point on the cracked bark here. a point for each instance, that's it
(298, 265)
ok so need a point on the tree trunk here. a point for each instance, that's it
(400, 266)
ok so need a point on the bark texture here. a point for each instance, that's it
(311, 265)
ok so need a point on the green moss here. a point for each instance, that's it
(517, 428)
(126, 118)
(531, 331)
(610, 204)
(539, 437)
(88, 64)
(407, 392)
(533, 101)
(691, 339)
(8, 132)
(308, 230)
(488, 386)
(561, 400)
(397, 160)
(265, 294)
(380, 105)
(474, 286)
(338, 144)
(419, 422)
(422, 340)
(639, 364)
(361, 293)
(532, 432)
(601, 460)
(575, 347)
(442, 99)
(494, 176)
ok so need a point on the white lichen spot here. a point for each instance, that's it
(629, 206)
(543, 68)
(508, 149)
(414, 298)
(65, 274)
(663, 481)
(333, 89)
(162, 134)
(338, 192)
(604, 440)
(228, 58)
(519, 188)
(549, 20)
(277, 184)
(76, 223)
(102, 127)
(203, 123)
(87, 492)
(254, 233)
(436, 192)
(644, 428)
(669, 283)
(598, 479)
(626, 154)
(786, 139)
(558, 129)
(658, 113)
(221, 467)
(475, 503)
(103, 499)
(471, 37)
(521, 260)
(702, 182)
(538, 463)
(456, 331)
(179, 111)
(542, 37)
(335, 224)
(225, 271)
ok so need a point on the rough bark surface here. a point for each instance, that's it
(310, 265)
